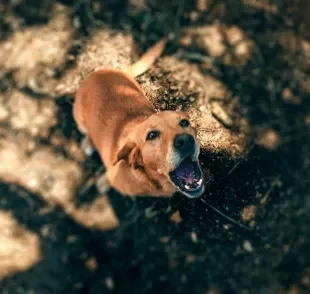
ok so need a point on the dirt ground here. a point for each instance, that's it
(241, 70)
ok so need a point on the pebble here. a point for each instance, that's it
(247, 246)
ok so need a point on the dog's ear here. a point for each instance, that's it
(128, 174)
(131, 153)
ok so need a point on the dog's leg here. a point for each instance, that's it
(102, 184)
(87, 146)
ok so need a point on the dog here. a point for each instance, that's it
(146, 153)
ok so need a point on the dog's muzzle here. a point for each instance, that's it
(187, 176)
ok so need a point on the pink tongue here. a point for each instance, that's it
(186, 172)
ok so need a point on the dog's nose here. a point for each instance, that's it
(184, 143)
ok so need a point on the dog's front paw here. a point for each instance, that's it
(87, 146)
(102, 184)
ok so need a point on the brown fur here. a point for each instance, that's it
(112, 110)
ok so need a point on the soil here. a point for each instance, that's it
(241, 70)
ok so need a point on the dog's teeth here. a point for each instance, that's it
(199, 182)
(187, 187)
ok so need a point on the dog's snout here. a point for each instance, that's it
(184, 143)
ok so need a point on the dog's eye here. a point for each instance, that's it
(152, 135)
(184, 123)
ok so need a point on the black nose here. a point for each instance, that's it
(184, 143)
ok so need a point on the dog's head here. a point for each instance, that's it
(166, 143)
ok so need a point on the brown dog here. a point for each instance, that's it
(145, 153)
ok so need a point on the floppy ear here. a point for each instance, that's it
(126, 174)
(131, 153)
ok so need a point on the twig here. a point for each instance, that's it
(234, 167)
(196, 57)
(177, 25)
(227, 217)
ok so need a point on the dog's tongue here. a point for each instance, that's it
(186, 171)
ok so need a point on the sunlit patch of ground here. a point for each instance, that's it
(20, 249)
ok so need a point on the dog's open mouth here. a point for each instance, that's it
(187, 177)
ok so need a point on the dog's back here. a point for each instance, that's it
(108, 104)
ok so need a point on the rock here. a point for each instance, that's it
(176, 217)
(268, 138)
(248, 246)
(248, 213)
(289, 97)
